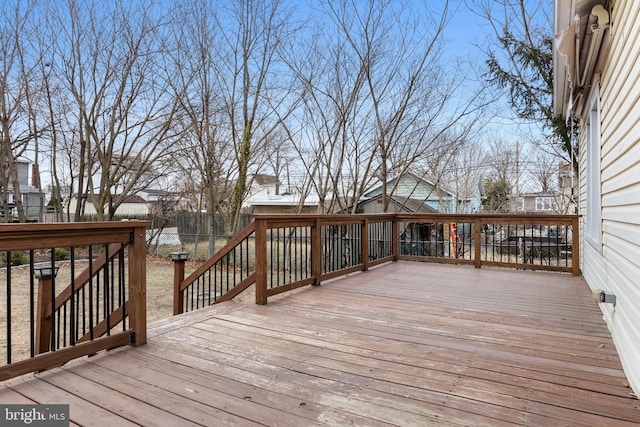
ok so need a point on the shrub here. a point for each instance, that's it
(60, 254)
(17, 258)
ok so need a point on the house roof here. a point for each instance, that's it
(538, 194)
(282, 200)
(132, 198)
(413, 205)
(418, 179)
(263, 179)
(408, 204)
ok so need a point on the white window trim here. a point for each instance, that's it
(546, 203)
(593, 217)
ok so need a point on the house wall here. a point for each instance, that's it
(375, 207)
(23, 172)
(262, 191)
(275, 209)
(412, 188)
(614, 264)
(133, 210)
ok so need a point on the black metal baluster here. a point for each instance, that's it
(32, 305)
(215, 281)
(122, 294)
(97, 318)
(296, 261)
(84, 310)
(108, 269)
(307, 249)
(209, 288)
(190, 292)
(112, 281)
(64, 327)
(73, 321)
(198, 292)
(235, 264)
(278, 261)
(241, 262)
(9, 307)
(227, 273)
(53, 299)
(90, 292)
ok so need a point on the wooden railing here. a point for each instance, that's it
(532, 242)
(230, 271)
(278, 253)
(81, 289)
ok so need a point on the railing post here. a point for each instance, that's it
(394, 237)
(43, 323)
(179, 258)
(575, 246)
(138, 285)
(261, 261)
(477, 243)
(316, 252)
(364, 243)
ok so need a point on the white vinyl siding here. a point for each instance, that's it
(614, 264)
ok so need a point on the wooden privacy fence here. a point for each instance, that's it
(277, 253)
(71, 290)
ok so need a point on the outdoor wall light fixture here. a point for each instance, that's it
(601, 296)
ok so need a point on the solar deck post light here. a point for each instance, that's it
(178, 258)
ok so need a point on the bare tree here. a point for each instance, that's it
(519, 61)
(462, 174)
(544, 169)
(502, 174)
(124, 110)
(330, 139)
(249, 83)
(14, 82)
(414, 100)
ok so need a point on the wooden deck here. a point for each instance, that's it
(405, 344)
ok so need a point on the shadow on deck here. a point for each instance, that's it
(406, 344)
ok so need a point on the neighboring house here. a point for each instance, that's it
(373, 205)
(162, 202)
(568, 184)
(567, 181)
(30, 195)
(133, 207)
(264, 197)
(410, 186)
(600, 86)
(282, 204)
(264, 186)
(409, 233)
(544, 202)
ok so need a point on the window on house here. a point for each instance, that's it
(593, 215)
(521, 203)
(546, 204)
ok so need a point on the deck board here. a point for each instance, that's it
(403, 344)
